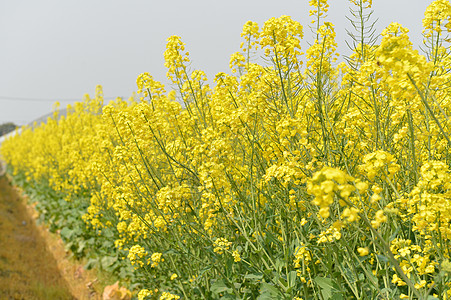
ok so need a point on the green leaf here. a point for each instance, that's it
(219, 287)
(292, 279)
(337, 296)
(81, 246)
(66, 233)
(108, 261)
(228, 296)
(279, 265)
(269, 291)
(329, 289)
(382, 258)
(257, 276)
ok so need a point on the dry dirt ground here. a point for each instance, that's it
(33, 261)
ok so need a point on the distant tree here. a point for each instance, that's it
(7, 128)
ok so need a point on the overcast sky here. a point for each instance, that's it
(61, 49)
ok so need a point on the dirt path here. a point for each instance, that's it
(33, 262)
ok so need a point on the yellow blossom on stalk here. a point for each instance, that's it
(363, 251)
(220, 245)
(397, 280)
(324, 184)
(282, 37)
(172, 198)
(236, 256)
(331, 234)
(379, 218)
(369, 3)
(237, 60)
(174, 276)
(251, 35)
(351, 214)
(135, 254)
(301, 255)
(175, 59)
(378, 163)
(250, 29)
(420, 285)
(412, 257)
(399, 60)
(198, 75)
(156, 259)
(361, 186)
(144, 293)
(320, 7)
(168, 296)
(435, 16)
(322, 53)
(287, 172)
(146, 84)
(429, 201)
(160, 223)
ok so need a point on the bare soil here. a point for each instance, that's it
(33, 261)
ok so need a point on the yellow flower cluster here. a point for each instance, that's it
(236, 256)
(221, 245)
(428, 204)
(435, 16)
(320, 7)
(379, 218)
(325, 184)
(379, 163)
(156, 259)
(251, 34)
(368, 3)
(135, 254)
(363, 251)
(321, 54)
(281, 37)
(302, 258)
(168, 296)
(413, 259)
(148, 86)
(144, 293)
(175, 58)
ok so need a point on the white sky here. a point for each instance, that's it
(61, 49)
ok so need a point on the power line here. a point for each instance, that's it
(6, 98)
(37, 99)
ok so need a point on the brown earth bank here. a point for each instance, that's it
(33, 261)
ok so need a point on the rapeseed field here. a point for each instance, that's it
(294, 176)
